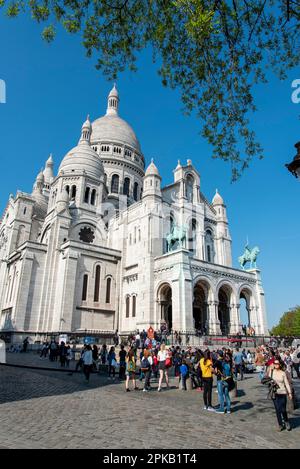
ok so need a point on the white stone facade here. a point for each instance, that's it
(88, 251)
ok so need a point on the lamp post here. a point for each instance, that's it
(294, 166)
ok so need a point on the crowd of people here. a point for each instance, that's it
(148, 359)
(198, 369)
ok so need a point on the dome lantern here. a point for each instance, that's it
(113, 102)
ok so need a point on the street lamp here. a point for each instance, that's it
(294, 166)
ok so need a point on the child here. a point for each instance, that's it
(184, 374)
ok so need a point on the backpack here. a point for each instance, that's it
(145, 364)
(168, 362)
(131, 366)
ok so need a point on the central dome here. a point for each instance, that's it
(111, 128)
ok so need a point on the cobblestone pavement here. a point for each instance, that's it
(46, 409)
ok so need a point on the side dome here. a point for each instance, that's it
(217, 200)
(82, 158)
(152, 169)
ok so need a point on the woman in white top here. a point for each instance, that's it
(162, 357)
(280, 400)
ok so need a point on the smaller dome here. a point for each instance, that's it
(152, 170)
(218, 200)
(82, 159)
(40, 177)
(48, 171)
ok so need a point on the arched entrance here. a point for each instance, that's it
(245, 308)
(200, 307)
(165, 302)
(224, 296)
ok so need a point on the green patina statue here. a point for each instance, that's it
(178, 233)
(250, 255)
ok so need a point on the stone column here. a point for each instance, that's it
(213, 320)
(234, 318)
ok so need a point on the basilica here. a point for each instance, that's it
(102, 246)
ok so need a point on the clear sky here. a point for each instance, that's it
(51, 89)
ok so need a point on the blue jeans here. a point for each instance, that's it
(223, 394)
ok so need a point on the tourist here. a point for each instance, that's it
(87, 359)
(25, 345)
(184, 374)
(122, 358)
(112, 363)
(163, 371)
(80, 363)
(296, 360)
(155, 364)
(103, 354)
(52, 351)
(130, 370)
(44, 351)
(238, 360)
(259, 361)
(223, 370)
(177, 360)
(199, 355)
(146, 368)
(207, 378)
(95, 356)
(69, 356)
(280, 398)
(62, 354)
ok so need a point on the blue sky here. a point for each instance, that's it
(51, 89)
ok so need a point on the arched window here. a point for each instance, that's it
(93, 197)
(85, 287)
(108, 290)
(68, 189)
(97, 284)
(127, 306)
(73, 193)
(208, 253)
(115, 184)
(126, 187)
(135, 191)
(87, 195)
(209, 244)
(192, 235)
(189, 188)
(133, 306)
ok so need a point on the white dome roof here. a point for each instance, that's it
(111, 128)
(82, 158)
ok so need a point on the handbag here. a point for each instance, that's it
(230, 382)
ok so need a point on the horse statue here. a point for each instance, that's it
(178, 233)
(250, 255)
